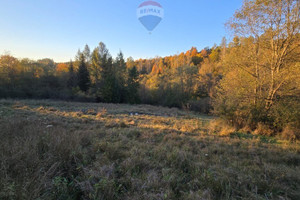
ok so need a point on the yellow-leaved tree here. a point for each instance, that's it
(261, 82)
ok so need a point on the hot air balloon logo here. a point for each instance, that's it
(150, 14)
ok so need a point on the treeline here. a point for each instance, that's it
(93, 76)
(253, 82)
(184, 80)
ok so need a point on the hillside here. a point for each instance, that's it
(64, 150)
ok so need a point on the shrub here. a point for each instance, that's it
(290, 133)
(221, 127)
(202, 105)
(263, 129)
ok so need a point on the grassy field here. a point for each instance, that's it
(61, 150)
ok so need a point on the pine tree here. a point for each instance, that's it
(95, 68)
(107, 82)
(102, 73)
(119, 75)
(71, 76)
(87, 54)
(132, 86)
(108, 76)
(83, 75)
(78, 54)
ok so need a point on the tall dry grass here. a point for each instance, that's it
(59, 150)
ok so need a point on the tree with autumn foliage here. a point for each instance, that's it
(61, 68)
(261, 83)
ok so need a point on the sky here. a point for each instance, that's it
(56, 29)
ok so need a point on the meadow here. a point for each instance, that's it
(66, 150)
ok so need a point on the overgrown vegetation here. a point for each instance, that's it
(252, 82)
(60, 150)
(246, 146)
(260, 89)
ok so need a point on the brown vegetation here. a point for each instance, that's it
(60, 150)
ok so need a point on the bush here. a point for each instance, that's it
(202, 105)
(290, 133)
(263, 129)
(221, 127)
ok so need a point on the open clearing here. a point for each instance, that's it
(61, 150)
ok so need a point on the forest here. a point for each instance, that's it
(251, 82)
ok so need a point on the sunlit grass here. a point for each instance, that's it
(60, 150)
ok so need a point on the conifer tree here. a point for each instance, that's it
(83, 75)
(132, 86)
(71, 76)
(87, 54)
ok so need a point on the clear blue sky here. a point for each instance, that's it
(58, 28)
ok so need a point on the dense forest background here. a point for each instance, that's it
(186, 80)
(252, 82)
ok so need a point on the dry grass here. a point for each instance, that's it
(61, 150)
(263, 129)
(220, 127)
(289, 133)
